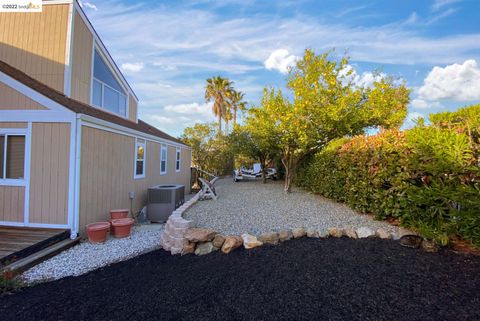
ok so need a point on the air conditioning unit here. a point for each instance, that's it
(163, 200)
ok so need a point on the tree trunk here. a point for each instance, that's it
(264, 171)
(234, 116)
(226, 126)
(290, 165)
(219, 124)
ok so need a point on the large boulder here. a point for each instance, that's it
(313, 234)
(269, 238)
(250, 241)
(412, 241)
(429, 246)
(199, 234)
(364, 232)
(188, 247)
(323, 233)
(218, 240)
(335, 232)
(298, 232)
(231, 243)
(285, 235)
(205, 248)
(350, 232)
(383, 234)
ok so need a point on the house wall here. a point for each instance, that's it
(13, 125)
(81, 61)
(12, 202)
(36, 43)
(132, 111)
(49, 173)
(12, 99)
(107, 167)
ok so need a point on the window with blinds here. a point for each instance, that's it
(12, 156)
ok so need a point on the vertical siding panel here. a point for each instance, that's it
(8, 202)
(12, 99)
(35, 43)
(81, 60)
(49, 173)
(2, 202)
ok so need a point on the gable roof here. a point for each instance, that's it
(82, 108)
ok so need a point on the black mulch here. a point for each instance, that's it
(307, 279)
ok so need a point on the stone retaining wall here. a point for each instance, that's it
(182, 237)
(173, 239)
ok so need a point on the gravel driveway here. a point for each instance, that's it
(256, 208)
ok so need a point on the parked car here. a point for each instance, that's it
(253, 173)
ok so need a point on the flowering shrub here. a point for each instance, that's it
(427, 177)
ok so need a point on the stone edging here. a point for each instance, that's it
(173, 239)
(203, 241)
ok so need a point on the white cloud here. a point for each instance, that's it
(424, 104)
(193, 108)
(439, 4)
(132, 67)
(281, 60)
(366, 79)
(440, 16)
(163, 120)
(86, 4)
(457, 82)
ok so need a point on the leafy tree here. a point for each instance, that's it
(236, 103)
(254, 142)
(327, 104)
(217, 90)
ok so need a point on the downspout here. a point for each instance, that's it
(78, 148)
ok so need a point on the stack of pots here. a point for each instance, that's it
(120, 224)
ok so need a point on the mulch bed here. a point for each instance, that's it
(306, 279)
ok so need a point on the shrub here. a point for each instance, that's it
(426, 177)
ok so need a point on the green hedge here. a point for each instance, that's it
(427, 177)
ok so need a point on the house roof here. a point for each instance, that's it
(82, 108)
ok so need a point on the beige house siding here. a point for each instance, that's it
(132, 108)
(81, 61)
(12, 99)
(107, 173)
(35, 43)
(49, 173)
(12, 202)
(13, 125)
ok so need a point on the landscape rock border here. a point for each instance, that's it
(182, 237)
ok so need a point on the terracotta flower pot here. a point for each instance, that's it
(122, 227)
(119, 213)
(97, 232)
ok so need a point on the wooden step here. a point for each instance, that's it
(24, 264)
(25, 242)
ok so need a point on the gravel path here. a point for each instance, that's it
(256, 208)
(86, 257)
(305, 279)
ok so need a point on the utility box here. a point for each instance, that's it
(162, 200)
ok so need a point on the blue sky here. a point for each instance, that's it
(166, 49)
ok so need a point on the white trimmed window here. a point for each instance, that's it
(177, 160)
(12, 156)
(107, 93)
(163, 159)
(140, 154)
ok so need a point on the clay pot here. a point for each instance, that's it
(120, 213)
(121, 227)
(97, 232)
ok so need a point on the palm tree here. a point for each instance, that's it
(236, 103)
(218, 89)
